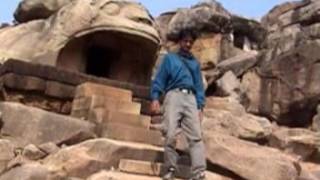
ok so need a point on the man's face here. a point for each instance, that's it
(186, 43)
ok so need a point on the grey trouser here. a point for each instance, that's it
(180, 109)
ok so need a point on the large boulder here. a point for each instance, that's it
(226, 116)
(37, 9)
(210, 19)
(300, 142)
(248, 160)
(92, 156)
(28, 125)
(32, 171)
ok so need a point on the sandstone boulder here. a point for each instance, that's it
(32, 171)
(91, 156)
(27, 125)
(298, 141)
(248, 160)
(228, 85)
(226, 116)
(6, 153)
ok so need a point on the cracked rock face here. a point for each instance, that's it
(285, 85)
(120, 32)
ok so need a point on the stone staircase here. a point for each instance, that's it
(118, 119)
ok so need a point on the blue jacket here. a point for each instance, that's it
(173, 74)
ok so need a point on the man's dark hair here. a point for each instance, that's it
(187, 33)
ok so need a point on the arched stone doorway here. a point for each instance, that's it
(112, 55)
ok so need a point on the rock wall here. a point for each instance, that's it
(288, 70)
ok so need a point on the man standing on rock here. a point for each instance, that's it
(179, 78)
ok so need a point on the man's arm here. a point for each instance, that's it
(200, 96)
(158, 84)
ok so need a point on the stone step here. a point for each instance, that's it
(94, 155)
(115, 175)
(132, 134)
(90, 89)
(82, 106)
(102, 116)
(150, 168)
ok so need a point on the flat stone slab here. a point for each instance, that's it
(132, 134)
(115, 175)
(86, 158)
(46, 72)
(92, 89)
(156, 169)
(102, 116)
(108, 103)
(150, 168)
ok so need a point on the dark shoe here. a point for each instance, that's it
(200, 176)
(169, 175)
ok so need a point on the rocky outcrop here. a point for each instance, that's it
(221, 34)
(286, 80)
(203, 17)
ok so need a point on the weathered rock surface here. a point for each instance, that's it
(91, 156)
(157, 169)
(286, 88)
(301, 142)
(206, 16)
(32, 152)
(309, 171)
(249, 160)
(32, 171)
(226, 116)
(228, 85)
(37, 9)
(31, 125)
(6, 153)
(115, 175)
(316, 120)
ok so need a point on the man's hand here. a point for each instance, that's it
(155, 107)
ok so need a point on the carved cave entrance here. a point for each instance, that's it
(112, 55)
